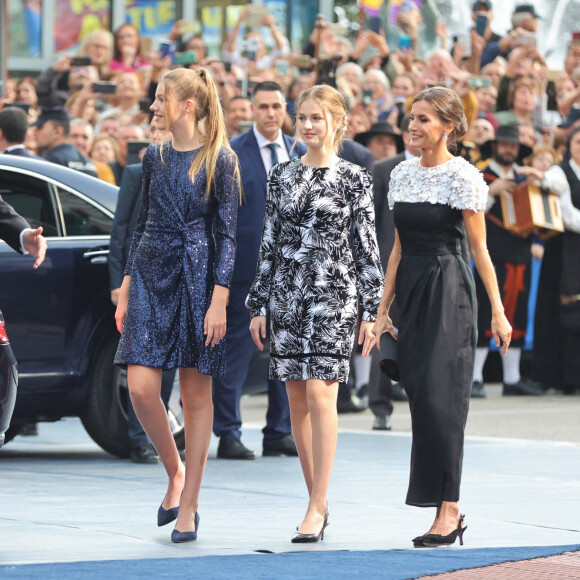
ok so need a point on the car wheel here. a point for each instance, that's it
(105, 415)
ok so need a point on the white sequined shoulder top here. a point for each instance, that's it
(456, 183)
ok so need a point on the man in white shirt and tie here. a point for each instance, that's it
(258, 150)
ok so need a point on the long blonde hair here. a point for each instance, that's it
(333, 104)
(198, 85)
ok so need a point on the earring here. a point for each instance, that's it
(444, 136)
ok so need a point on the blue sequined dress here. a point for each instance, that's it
(182, 246)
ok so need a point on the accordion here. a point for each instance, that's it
(529, 209)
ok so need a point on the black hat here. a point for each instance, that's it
(528, 8)
(573, 116)
(381, 128)
(479, 4)
(509, 134)
(51, 114)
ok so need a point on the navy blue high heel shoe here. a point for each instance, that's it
(178, 537)
(165, 517)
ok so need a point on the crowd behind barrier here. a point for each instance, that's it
(90, 111)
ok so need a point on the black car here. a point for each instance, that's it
(60, 318)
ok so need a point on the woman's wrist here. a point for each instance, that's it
(497, 311)
(220, 295)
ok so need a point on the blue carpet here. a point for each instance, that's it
(384, 564)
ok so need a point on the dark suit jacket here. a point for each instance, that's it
(22, 152)
(11, 224)
(383, 215)
(251, 211)
(357, 153)
(124, 223)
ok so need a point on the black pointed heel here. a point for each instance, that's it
(299, 538)
(434, 540)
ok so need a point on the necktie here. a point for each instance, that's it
(273, 147)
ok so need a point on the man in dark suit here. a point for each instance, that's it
(356, 153)
(124, 223)
(258, 149)
(347, 400)
(18, 234)
(381, 390)
(13, 127)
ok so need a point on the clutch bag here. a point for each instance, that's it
(389, 362)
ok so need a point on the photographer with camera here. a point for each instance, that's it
(255, 49)
(524, 27)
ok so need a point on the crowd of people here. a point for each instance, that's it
(356, 158)
(85, 109)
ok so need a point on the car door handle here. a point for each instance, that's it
(97, 256)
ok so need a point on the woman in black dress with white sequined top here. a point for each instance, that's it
(319, 262)
(433, 196)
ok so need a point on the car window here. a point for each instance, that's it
(31, 198)
(82, 218)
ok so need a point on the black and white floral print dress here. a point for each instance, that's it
(319, 260)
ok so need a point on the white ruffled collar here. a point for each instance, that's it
(456, 183)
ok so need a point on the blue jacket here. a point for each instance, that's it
(251, 211)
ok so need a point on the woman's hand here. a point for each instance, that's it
(258, 329)
(122, 303)
(383, 324)
(366, 337)
(214, 323)
(538, 251)
(501, 330)
(531, 173)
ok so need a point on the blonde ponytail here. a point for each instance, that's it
(199, 86)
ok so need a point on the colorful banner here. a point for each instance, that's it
(76, 18)
(151, 17)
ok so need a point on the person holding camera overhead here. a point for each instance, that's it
(433, 196)
(254, 46)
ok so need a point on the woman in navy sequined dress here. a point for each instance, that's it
(172, 303)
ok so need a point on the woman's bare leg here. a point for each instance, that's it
(447, 518)
(145, 392)
(301, 428)
(198, 417)
(321, 398)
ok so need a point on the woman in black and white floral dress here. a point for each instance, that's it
(319, 262)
